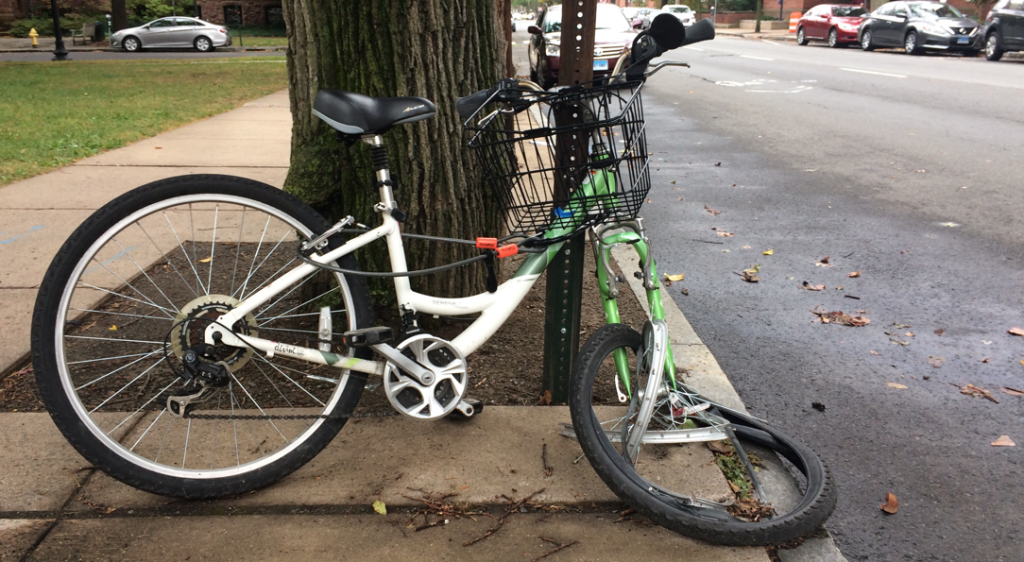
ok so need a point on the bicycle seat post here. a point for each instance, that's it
(384, 184)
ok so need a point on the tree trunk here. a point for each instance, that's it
(437, 49)
(118, 15)
(757, 16)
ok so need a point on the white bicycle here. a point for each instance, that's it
(204, 336)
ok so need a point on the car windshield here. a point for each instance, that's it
(848, 12)
(608, 17)
(934, 11)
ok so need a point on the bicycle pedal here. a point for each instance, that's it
(367, 337)
(467, 408)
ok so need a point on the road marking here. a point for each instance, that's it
(771, 42)
(873, 72)
(694, 49)
(755, 58)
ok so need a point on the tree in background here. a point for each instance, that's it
(437, 49)
(981, 7)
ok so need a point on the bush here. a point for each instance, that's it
(737, 5)
(44, 26)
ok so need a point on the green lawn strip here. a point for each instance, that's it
(259, 41)
(53, 114)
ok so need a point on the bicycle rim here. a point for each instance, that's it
(142, 294)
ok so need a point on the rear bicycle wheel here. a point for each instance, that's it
(747, 509)
(133, 289)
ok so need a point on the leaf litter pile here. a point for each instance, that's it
(747, 505)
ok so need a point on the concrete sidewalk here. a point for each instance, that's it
(773, 35)
(54, 506)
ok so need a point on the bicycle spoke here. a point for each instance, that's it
(170, 261)
(151, 367)
(160, 343)
(162, 309)
(144, 433)
(255, 256)
(188, 433)
(191, 262)
(121, 368)
(238, 251)
(321, 295)
(284, 296)
(258, 407)
(128, 255)
(157, 395)
(269, 279)
(274, 385)
(303, 389)
(116, 313)
(148, 300)
(213, 248)
(106, 358)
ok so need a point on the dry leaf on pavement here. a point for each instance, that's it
(1015, 331)
(854, 274)
(936, 361)
(1012, 391)
(824, 262)
(750, 274)
(985, 360)
(940, 332)
(712, 211)
(724, 234)
(873, 352)
(669, 279)
(909, 334)
(891, 503)
(810, 287)
(840, 317)
(897, 385)
(971, 390)
(1004, 441)
(768, 252)
(545, 399)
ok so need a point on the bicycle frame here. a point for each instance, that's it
(494, 308)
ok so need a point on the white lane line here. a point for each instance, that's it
(873, 72)
(755, 58)
(694, 48)
(775, 43)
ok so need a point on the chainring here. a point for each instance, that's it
(431, 401)
(192, 320)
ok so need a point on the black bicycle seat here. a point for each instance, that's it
(356, 114)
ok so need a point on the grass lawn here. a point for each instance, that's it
(259, 41)
(53, 114)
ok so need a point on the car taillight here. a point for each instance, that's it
(224, 31)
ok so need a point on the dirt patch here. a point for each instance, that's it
(507, 370)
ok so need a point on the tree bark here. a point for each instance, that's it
(437, 49)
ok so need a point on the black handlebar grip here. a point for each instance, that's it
(700, 31)
(468, 105)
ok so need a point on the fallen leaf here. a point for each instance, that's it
(159, 147)
(684, 291)
(840, 317)
(720, 447)
(712, 211)
(919, 171)
(971, 390)
(545, 399)
(873, 352)
(853, 274)
(909, 334)
(1016, 331)
(891, 504)
(718, 165)
(669, 279)
(940, 332)
(673, 182)
(750, 274)
(934, 361)
(986, 342)
(1004, 441)
(1012, 391)
(898, 325)
(768, 252)
(380, 508)
(206, 260)
(897, 385)
(818, 406)
(746, 247)
(810, 287)
(824, 259)
(112, 328)
(725, 234)
(985, 360)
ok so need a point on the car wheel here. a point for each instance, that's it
(865, 41)
(993, 50)
(801, 38)
(131, 44)
(203, 44)
(833, 38)
(910, 44)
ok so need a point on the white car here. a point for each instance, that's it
(684, 13)
(170, 33)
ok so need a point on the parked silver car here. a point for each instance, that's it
(171, 33)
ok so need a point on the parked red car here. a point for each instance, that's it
(835, 23)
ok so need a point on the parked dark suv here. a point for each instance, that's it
(920, 26)
(1004, 29)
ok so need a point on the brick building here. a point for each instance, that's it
(251, 12)
(11, 10)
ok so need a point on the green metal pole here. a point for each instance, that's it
(562, 317)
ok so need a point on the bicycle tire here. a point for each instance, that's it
(50, 351)
(818, 496)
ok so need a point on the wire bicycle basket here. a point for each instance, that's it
(563, 159)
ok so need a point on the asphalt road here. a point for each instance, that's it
(109, 55)
(907, 170)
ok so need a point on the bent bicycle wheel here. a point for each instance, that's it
(133, 290)
(775, 489)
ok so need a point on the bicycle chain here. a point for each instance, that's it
(364, 415)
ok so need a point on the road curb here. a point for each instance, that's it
(704, 373)
(790, 38)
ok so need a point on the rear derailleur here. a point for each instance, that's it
(208, 375)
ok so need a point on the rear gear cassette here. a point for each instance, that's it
(446, 390)
(190, 327)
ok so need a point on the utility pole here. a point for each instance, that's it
(59, 52)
